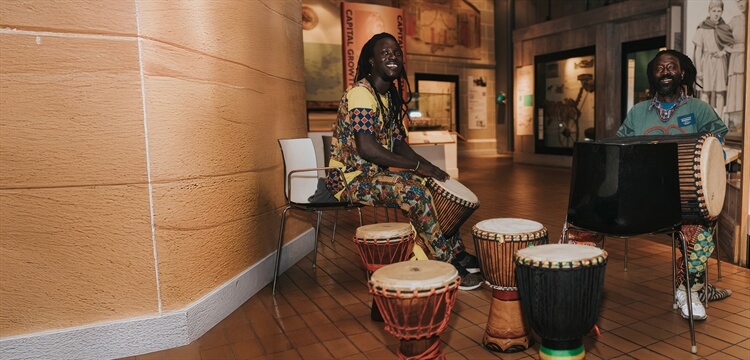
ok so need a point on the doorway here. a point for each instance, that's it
(635, 58)
(435, 103)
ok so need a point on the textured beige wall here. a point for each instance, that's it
(114, 113)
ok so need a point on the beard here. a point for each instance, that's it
(673, 88)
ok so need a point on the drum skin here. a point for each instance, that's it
(416, 299)
(560, 288)
(384, 243)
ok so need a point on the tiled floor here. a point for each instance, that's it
(325, 314)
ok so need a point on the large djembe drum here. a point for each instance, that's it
(416, 298)
(383, 244)
(560, 286)
(702, 172)
(496, 240)
(454, 203)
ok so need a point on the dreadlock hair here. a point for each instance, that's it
(689, 79)
(397, 107)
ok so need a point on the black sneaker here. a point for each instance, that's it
(466, 261)
(471, 281)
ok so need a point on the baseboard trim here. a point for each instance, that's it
(135, 336)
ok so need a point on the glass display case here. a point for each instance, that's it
(432, 111)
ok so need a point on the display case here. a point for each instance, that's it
(432, 111)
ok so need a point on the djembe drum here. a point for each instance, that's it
(416, 298)
(702, 171)
(560, 286)
(383, 244)
(496, 240)
(454, 203)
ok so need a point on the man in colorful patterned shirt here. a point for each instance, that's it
(369, 139)
(674, 110)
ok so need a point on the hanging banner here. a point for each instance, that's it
(359, 23)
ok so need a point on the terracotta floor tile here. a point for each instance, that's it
(223, 352)
(325, 313)
(247, 349)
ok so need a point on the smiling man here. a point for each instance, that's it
(673, 110)
(369, 139)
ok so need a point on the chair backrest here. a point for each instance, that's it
(299, 154)
(625, 189)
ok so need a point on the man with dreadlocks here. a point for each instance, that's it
(369, 139)
(674, 110)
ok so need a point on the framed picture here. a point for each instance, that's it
(715, 41)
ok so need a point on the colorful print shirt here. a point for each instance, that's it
(359, 111)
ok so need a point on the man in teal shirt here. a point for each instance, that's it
(672, 111)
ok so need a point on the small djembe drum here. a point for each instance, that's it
(560, 286)
(454, 203)
(496, 240)
(382, 244)
(416, 299)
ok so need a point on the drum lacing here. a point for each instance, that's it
(433, 352)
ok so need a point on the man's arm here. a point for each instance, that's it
(402, 156)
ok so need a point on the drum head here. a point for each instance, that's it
(407, 276)
(457, 189)
(559, 253)
(713, 176)
(509, 226)
(387, 230)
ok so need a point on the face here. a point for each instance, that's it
(388, 60)
(714, 13)
(742, 5)
(668, 75)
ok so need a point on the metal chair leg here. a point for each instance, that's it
(683, 244)
(278, 249)
(359, 210)
(717, 250)
(317, 233)
(335, 221)
(625, 268)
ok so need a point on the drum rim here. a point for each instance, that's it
(594, 261)
(403, 228)
(440, 188)
(390, 240)
(416, 293)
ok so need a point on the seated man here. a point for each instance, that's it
(369, 139)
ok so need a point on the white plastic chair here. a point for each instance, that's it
(301, 181)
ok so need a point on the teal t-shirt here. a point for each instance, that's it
(692, 117)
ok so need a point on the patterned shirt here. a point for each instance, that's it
(360, 112)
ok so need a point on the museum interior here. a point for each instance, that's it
(146, 183)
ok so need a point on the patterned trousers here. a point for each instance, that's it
(700, 245)
(407, 191)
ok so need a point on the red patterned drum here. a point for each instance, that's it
(416, 299)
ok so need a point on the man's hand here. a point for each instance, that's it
(429, 170)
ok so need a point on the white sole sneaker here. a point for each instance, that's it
(699, 312)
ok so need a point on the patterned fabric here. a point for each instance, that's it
(700, 245)
(665, 114)
(406, 190)
(353, 120)
(370, 184)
